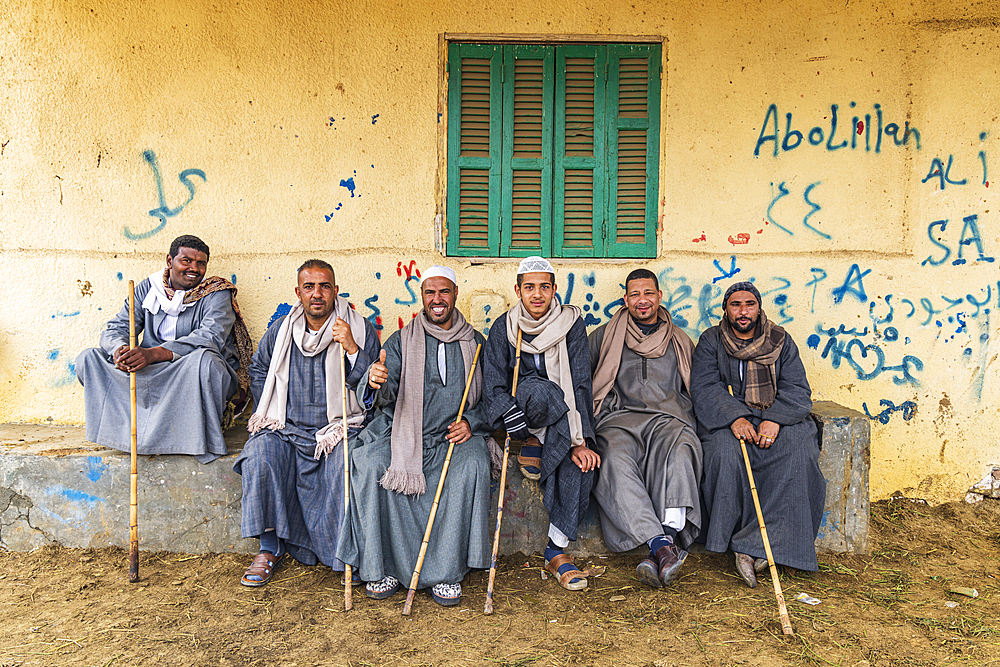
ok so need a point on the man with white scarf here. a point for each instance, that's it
(193, 358)
(552, 413)
(416, 388)
(292, 465)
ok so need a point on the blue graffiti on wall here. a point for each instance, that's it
(908, 408)
(163, 211)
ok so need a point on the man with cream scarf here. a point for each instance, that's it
(553, 412)
(647, 487)
(416, 388)
(293, 464)
(769, 409)
(193, 358)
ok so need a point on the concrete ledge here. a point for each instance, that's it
(58, 488)
(845, 436)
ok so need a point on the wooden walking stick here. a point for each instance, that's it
(488, 609)
(348, 574)
(133, 513)
(786, 624)
(437, 496)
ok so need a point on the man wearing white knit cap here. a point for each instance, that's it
(415, 389)
(553, 411)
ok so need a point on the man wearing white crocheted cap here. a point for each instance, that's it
(552, 413)
(415, 390)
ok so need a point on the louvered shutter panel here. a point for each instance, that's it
(474, 149)
(580, 161)
(526, 184)
(633, 95)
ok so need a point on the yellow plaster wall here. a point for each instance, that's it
(240, 122)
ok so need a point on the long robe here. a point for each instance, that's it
(180, 403)
(790, 486)
(284, 487)
(386, 528)
(651, 457)
(566, 489)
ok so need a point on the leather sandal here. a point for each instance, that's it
(566, 579)
(264, 564)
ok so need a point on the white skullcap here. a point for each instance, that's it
(438, 272)
(535, 263)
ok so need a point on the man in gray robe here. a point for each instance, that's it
(293, 464)
(553, 411)
(758, 362)
(417, 387)
(193, 358)
(647, 487)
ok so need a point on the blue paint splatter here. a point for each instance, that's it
(53, 355)
(813, 342)
(374, 118)
(62, 314)
(349, 184)
(378, 275)
(95, 468)
(282, 310)
(120, 276)
(79, 496)
(232, 278)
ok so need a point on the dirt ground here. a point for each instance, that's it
(892, 607)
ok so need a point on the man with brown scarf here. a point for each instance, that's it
(415, 390)
(748, 382)
(194, 358)
(647, 487)
(553, 412)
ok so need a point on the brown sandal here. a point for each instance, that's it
(264, 564)
(566, 578)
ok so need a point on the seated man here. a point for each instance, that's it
(758, 362)
(292, 465)
(194, 356)
(553, 408)
(417, 386)
(647, 487)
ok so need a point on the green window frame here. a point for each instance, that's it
(553, 150)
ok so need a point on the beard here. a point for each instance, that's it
(744, 328)
(439, 320)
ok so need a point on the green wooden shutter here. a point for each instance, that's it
(474, 148)
(633, 101)
(579, 162)
(526, 164)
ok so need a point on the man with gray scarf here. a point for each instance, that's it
(416, 388)
(748, 382)
(647, 487)
(553, 412)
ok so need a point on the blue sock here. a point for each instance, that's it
(659, 541)
(270, 543)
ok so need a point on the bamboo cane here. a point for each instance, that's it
(133, 513)
(437, 496)
(488, 609)
(348, 573)
(786, 624)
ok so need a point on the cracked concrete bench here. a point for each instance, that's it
(58, 488)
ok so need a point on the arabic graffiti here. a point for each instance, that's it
(163, 211)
